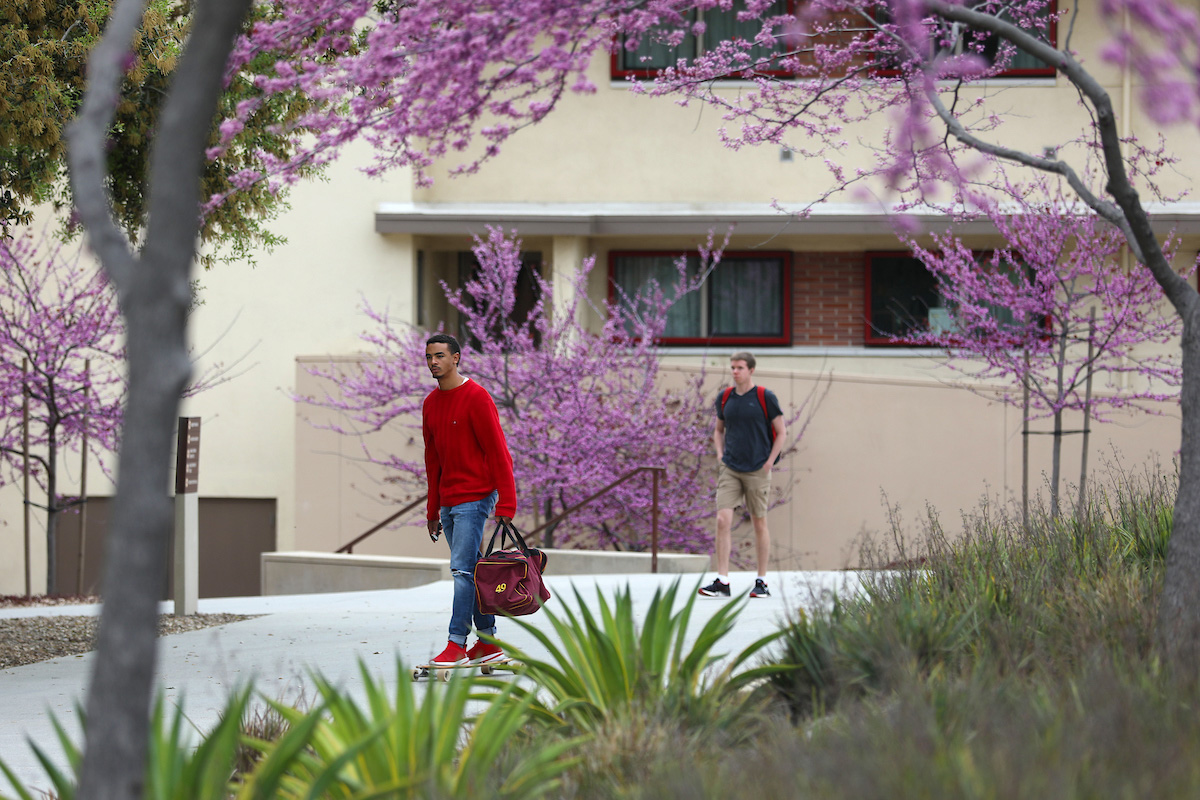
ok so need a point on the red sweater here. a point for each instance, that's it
(466, 456)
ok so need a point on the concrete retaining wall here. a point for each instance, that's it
(302, 572)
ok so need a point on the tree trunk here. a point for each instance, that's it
(1056, 451)
(1179, 608)
(154, 293)
(1087, 415)
(52, 512)
(1178, 632)
(1055, 463)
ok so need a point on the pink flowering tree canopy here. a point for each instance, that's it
(1051, 312)
(580, 408)
(62, 343)
(908, 78)
(58, 319)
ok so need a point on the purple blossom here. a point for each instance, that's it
(580, 408)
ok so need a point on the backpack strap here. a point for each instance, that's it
(762, 401)
(725, 397)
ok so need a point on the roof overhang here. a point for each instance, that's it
(665, 219)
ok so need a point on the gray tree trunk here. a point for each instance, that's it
(1179, 608)
(1178, 633)
(153, 290)
(52, 511)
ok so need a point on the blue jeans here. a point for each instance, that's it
(462, 526)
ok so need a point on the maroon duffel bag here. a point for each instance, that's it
(508, 581)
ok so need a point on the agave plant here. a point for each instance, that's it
(602, 663)
(176, 767)
(406, 745)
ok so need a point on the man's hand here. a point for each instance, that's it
(435, 529)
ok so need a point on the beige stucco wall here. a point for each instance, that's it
(620, 146)
(876, 442)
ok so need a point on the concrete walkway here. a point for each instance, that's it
(331, 634)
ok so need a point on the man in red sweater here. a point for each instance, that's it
(470, 474)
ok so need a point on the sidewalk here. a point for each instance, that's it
(330, 634)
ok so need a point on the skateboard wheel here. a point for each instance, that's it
(417, 674)
(444, 675)
(486, 670)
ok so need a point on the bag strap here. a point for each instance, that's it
(762, 401)
(506, 530)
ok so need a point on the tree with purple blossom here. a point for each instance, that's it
(61, 345)
(580, 408)
(913, 79)
(1049, 311)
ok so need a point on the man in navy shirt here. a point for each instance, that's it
(749, 435)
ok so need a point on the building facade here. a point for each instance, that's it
(636, 182)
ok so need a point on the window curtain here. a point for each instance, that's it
(653, 54)
(745, 298)
(634, 273)
(723, 26)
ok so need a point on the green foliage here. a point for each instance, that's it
(1040, 600)
(601, 664)
(177, 768)
(44, 45)
(1142, 520)
(406, 746)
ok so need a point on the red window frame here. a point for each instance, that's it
(618, 73)
(1020, 72)
(785, 257)
(870, 336)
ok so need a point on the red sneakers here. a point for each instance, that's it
(482, 653)
(453, 655)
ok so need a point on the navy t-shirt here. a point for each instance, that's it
(747, 432)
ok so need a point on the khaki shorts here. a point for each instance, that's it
(732, 486)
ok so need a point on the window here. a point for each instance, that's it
(954, 39)
(527, 290)
(745, 299)
(652, 55)
(903, 299)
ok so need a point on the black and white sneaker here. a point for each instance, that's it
(760, 589)
(717, 588)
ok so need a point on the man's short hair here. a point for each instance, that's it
(444, 338)
(742, 355)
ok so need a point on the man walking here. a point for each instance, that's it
(470, 473)
(749, 436)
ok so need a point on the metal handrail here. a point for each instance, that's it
(349, 548)
(653, 515)
(657, 471)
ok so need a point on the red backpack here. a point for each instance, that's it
(762, 401)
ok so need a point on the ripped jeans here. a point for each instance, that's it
(462, 526)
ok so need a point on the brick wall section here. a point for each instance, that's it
(828, 298)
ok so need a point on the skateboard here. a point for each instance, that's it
(443, 673)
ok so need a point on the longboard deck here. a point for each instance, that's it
(425, 671)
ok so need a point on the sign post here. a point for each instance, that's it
(187, 517)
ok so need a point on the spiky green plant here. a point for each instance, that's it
(176, 769)
(602, 663)
(407, 746)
